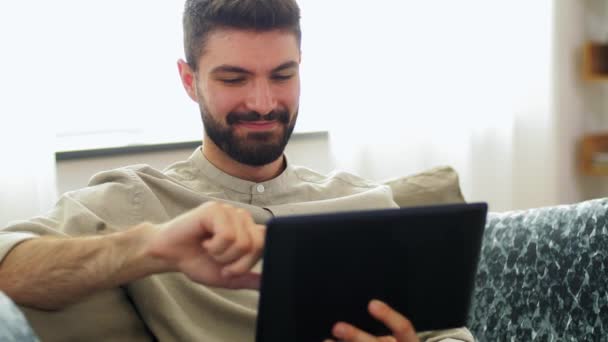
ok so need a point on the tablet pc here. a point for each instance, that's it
(321, 269)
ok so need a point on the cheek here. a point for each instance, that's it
(222, 101)
(289, 96)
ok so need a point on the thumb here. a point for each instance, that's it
(250, 281)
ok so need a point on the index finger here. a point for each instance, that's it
(402, 328)
(249, 260)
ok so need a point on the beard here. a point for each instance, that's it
(255, 148)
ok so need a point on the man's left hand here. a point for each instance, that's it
(402, 328)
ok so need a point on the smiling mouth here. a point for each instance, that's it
(259, 125)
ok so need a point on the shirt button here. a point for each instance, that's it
(260, 188)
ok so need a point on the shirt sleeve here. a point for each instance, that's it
(110, 204)
(375, 198)
(9, 240)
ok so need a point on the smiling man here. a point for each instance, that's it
(185, 243)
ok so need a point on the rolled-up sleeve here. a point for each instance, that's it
(110, 203)
(8, 240)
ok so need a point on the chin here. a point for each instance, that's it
(266, 137)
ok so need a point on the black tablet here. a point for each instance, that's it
(321, 269)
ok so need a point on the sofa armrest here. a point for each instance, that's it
(543, 275)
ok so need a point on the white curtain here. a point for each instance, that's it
(27, 172)
(408, 85)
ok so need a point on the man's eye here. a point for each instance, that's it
(281, 77)
(233, 80)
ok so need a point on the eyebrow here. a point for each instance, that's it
(287, 65)
(236, 69)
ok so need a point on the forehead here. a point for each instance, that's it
(252, 50)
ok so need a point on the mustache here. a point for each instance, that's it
(281, 116)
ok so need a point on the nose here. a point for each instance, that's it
(262, 99)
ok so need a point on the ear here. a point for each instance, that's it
(188, 80)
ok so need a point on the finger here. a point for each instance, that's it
(223, 233)
(402, 328)
(348, 333)
(248, 261)
(242, 245)
(250, 281)
(242, 220)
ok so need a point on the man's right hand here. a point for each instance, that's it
(214, 244)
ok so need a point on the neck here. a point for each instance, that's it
(257, 174)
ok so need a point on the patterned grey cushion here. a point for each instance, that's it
(543, 275)
(13, 326)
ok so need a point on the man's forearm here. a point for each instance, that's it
(50, 273)
(203, 243)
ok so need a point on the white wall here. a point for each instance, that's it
(569, 96)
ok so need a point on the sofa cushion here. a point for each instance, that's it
(543, 275)
(435, 186)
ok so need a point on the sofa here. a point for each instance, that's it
(13, 324)
(541, 276)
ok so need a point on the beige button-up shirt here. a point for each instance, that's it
(174, 308)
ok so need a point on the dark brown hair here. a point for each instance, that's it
(201, 17)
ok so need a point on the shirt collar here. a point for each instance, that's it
(274, 186)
